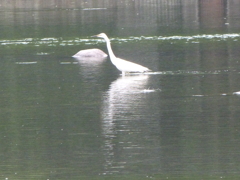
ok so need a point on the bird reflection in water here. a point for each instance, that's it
(120, 106)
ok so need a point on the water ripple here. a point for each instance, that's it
(52, 41)
(194, 38)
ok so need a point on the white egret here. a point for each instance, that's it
(121, 64)
(89, 53)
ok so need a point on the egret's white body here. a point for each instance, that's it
(121, 64)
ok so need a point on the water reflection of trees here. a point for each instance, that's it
(143, 13)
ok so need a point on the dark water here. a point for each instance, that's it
(63, 118)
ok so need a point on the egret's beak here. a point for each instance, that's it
(94, 36)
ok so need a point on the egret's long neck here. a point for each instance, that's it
(110, 52)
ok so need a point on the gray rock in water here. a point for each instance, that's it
(88, 53)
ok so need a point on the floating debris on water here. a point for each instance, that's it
(34, 62)
(65, 63)
(93, 9)
(42, 53)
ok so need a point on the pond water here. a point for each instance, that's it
(68, 118)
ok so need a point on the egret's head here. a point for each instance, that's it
(101, 35)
